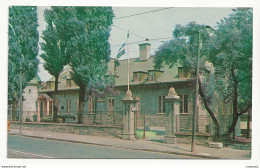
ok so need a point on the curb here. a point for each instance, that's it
(146, 150)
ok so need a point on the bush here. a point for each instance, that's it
(28, 120)
(50, 120)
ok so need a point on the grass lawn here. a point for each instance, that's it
(148, 134)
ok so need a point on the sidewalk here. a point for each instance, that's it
(202, 152)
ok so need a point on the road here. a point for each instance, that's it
(28, 147)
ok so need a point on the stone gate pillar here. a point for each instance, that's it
(172, 111)
(129, 117)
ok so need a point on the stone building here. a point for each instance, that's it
(67, 96)
(148, 85)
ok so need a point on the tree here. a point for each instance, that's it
(54, 47)
(231, 53)
(183, 50)
(78, 36)
(89, 49)
(84, 33)
(23, 49)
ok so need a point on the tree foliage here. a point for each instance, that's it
(231, 53)
(89, 48)
(78, 36)
(55, 44)
(183, 50)
(23, 47)
(229, 50)
(53, 47)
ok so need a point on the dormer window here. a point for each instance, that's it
(153, 75)
(139, 76)
(48, 85)
(182, 72)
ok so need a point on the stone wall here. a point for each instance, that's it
(114, 131)
(186, 138)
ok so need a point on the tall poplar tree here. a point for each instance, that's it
(22, 51)
(55, 45)
(89, 49)
(79, 36)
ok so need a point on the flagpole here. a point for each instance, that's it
(127, 60)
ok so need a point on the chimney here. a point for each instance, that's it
(144, 51)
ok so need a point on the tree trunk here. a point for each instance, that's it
(14, 110)
(235, 109)
(55, 101)
(209, 110)
(248, 124)
(82, 103)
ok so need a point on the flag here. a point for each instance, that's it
(121, 51)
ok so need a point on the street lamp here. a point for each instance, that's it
(194, 122)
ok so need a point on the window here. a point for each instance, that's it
(68, 82)
(183, 104)
(161, 105)
(68, 106)
(58, 109)
(151, 75)
(182, 72)
(30, 91)
(111, 104)
(137, 77)
(91, 105)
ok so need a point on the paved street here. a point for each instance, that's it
(27, 147)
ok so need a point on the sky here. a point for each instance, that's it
(156, 25)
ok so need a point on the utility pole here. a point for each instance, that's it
(21, 102)
(194, 122)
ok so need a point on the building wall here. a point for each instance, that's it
(148, 95)
(29, 104)
(63, 97)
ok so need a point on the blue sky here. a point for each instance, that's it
(152, 25)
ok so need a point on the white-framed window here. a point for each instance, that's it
(151, 75)
(161, 108)
(183, 104)
(68, 106)
(111, 104)
(58, 107)
(182, 72)
(137, 76)
(91, 103)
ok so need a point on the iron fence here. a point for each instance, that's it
(109, 118)
(113, 118)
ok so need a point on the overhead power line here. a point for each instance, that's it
(128, 31)
(122, 17)
(144, 41)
